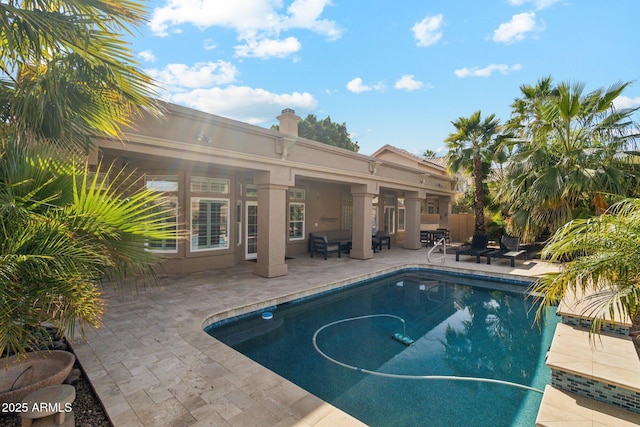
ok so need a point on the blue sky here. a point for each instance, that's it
(395, 71)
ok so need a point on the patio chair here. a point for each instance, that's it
(446, 233)
(321, 245)
(381, 238)
(478, 247)
(509, 248)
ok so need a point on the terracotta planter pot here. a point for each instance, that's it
(19, 377)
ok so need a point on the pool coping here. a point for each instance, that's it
(330, 287)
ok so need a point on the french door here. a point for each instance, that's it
(251, 241)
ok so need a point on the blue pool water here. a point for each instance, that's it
(463, 326)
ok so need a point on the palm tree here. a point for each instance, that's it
(470, 148)
(604, 265)
(571, 149)
(66, 74)
(61, 235)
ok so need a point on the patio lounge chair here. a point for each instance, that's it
(322, 245)
(509, 248)
(478, 247)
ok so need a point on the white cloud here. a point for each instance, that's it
(357, 86)
(538, 4)
(268, 48)
(203, 74)
(243, 103)
(626, 102)
(408, 83)
(209, 44)
(147, 56)
(427, 32)
(256, 22)
(486, 71)
(517, 29)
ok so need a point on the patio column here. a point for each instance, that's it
(444, 207)
(361, 229)
(412, 203)
(272, 226)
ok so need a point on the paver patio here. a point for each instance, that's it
(152, 364)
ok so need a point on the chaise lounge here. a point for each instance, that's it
(509, 248)
(478, 247)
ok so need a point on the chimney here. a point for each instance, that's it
(288, 122)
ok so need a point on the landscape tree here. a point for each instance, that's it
(325, 131)
(471, 148)
(66, 74)
(429, 154)
(572, 151)
(601, 267)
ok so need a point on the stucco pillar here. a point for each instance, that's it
(444, 207)
(412, 203)
(272, 226)
(361, 231)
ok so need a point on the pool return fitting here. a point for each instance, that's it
(401, 338)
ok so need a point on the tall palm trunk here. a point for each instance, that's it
(478, 193)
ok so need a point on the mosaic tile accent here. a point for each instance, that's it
(586, 324)
(606, 393)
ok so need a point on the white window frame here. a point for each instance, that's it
(293, 221)
(162, 183)
(390, 219)
(168, 200)
(211, 200)
(210, 185)
(239, 222)
(402, 219)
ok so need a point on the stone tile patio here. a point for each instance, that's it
(152, 364)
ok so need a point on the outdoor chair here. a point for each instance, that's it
(321, 245)
(509, 248)
(478, 247)
(446, 233)
(381, 238)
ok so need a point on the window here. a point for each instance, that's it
(390, 219)
(252, 191)
(374, 220)
(239, 222)
(201, 184)
(209, 224)
(296, 194)
(296, 221)
(164, 183)
(102, 178)
(347, 211)
(167, 246)
(401, 215)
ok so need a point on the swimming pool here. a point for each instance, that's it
(463, 326)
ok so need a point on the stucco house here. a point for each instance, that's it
(245, 192)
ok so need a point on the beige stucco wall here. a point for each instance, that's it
(189, 143)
